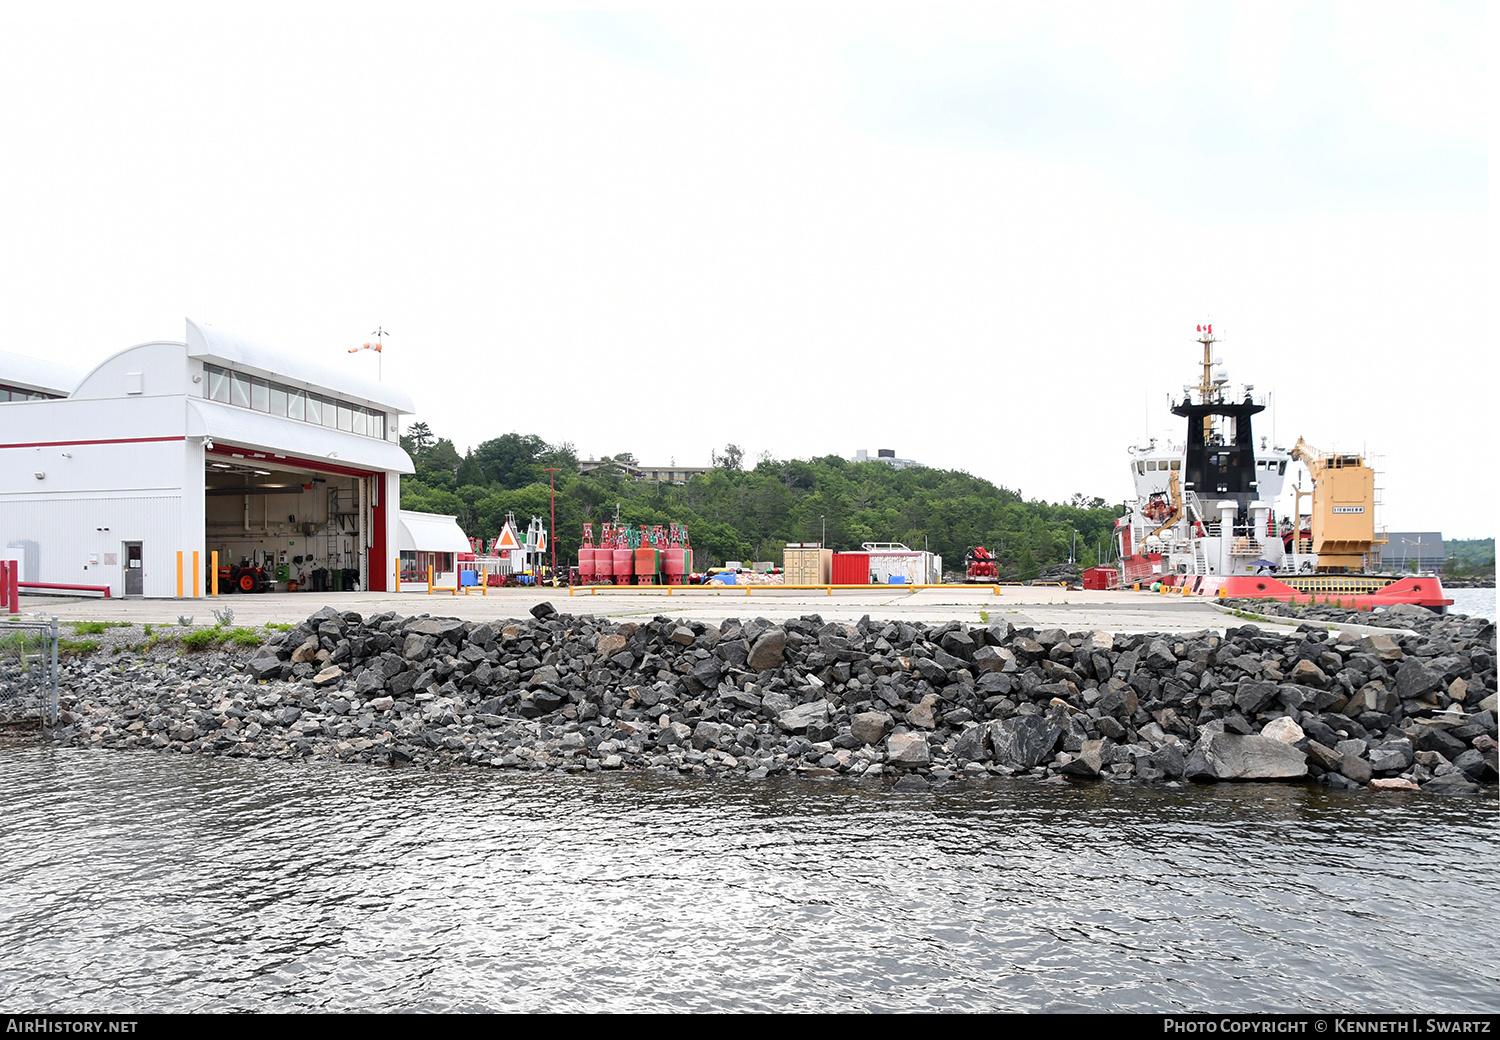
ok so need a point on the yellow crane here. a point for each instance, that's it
(1343, 508)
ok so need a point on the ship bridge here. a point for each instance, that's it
(1219, 460)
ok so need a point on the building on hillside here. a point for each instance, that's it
(887, 456)
(635, 471)
(215, 443)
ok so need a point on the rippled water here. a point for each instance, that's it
(1476, 602)
(161, 882)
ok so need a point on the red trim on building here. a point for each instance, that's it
(380, 568)
(272, 459)
(107, 440)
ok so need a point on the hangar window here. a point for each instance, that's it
(239, 390)
(278, 399)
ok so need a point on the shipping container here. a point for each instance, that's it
(851, 568)
(892, 559)
(807, 563)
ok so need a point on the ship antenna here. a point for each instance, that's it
(1206, 386)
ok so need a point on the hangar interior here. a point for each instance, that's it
(283, 527)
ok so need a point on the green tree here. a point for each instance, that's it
(417, 438)
(732, 457)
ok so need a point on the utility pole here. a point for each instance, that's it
(552, 489)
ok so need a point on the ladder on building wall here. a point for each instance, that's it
(335, 530)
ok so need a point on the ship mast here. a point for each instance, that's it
(1209, 389)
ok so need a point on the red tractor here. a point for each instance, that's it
(243, 577)
(981, 566)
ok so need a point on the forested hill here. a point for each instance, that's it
(737, 513)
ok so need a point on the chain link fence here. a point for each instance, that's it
(28, 670)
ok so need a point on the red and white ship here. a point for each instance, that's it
(1203, 518)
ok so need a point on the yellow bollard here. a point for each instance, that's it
(429, 579)
(179, 573)
(195, 573)
(213, 562)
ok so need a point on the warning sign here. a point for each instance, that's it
(508, 539)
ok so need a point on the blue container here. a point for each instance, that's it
(727, 577)
(897, 579)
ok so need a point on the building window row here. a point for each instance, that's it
(287, 402)
(15, 393)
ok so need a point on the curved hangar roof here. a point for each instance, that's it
(29, 373)
(208, 343)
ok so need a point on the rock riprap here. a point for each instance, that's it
(930, 704)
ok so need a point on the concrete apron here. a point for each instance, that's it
(1072, 610)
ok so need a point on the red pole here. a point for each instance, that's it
(552, 533)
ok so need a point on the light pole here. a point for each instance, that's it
(824, 540)
(552, 491)
(1418, 544)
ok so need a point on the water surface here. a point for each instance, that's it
(142, 881)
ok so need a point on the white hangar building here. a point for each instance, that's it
(214, 444)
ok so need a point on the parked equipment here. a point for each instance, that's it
(245, 576)
(981, 566)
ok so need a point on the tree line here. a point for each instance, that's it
(739, 513)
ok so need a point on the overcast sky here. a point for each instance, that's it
(981, 238)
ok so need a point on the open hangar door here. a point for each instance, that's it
(283, 523)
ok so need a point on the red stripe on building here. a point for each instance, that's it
(110, 440)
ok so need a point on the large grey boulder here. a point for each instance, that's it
(769, 650)
(869, 727)
(1254, 697)
(1451, 783)
(1023, 741)
(264, 667)
(1392, 755)
(1087, 762)
(439, 627)
(1414, 678)
(907, 749)
(972, 747)
(994, 659)
(796, 720)
(1233, 756)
